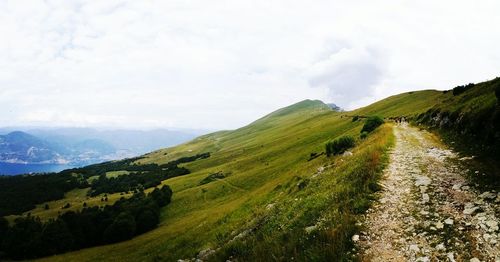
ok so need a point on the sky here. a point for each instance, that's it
(222, 64)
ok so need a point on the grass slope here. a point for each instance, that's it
(271, 193)
(265, 162)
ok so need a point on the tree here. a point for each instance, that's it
(146, 220)
(162, 196)
(22, 240)
(122, 228)
(56, 237)
(4, 226)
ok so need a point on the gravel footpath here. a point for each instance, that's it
(427, 211)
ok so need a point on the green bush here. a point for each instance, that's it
(339, 145)
(363, 135)
(355, 118)
(372, 123)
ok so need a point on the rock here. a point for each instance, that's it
(440, 247)
(414, 248)
(310, 229)
(422, 181)
(355, 238)
(488, 195)
(474, 260)
(449, 221)
(456, 186)
(451, 257)
(486, 237)
(204, 254)
(422, 259)
(469, 210)
(347, 153)
(439, 225)
(425, 198)
(492, 225)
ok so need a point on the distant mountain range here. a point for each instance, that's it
(82, 146)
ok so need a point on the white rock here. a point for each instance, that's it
(440, 247)
(312, 228)
(451, 257)
(486, 237)
(439, 225)
(204, 254)
(422, 181)
(487, 195)
(347, 153)
(425, 198)
(414, 248)
(355, 238)
(492, 225)
(470, 211)
(474, 260)
(423, 259)
(456, 186)
(449, 221)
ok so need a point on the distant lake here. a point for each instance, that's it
(16, 169)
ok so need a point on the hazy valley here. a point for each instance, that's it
(54, 149)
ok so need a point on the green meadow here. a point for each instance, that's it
(269, 193)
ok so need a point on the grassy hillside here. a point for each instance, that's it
(260, 193)
(267, 197)
(471, 115)
(468, 119)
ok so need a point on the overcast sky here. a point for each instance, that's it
(222, 64)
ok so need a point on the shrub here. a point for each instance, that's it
(460, 89)
(372, 123)
(363, 135)
(212, 177)
(497, 92)
(355, 118)
(339, 145)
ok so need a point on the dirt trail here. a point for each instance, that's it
(427, 211)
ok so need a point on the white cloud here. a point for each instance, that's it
(349, 74)
(222, 64)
